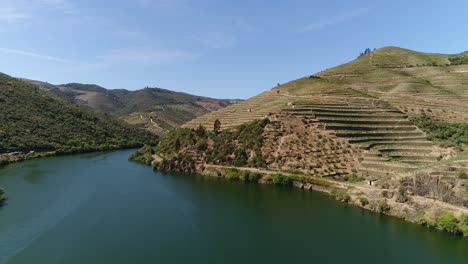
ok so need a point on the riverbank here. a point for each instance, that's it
(19, 156)
(15, 157)
(2, 197)
(416, 209)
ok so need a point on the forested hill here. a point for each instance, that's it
(158, 110)
(33, 119)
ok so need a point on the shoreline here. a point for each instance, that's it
(18, 156)
(23, 156)
(361, 195)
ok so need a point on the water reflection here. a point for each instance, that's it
(100, 208)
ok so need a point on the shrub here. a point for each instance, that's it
(363, 201)
(280, 179)
(201, 145)
(201, 132)
(383, 207)
(449, 223)
(297, 172)
(254, 176)
(464, 219)
(250, 176)
(422, 221)
(387, 194)
(353, 178)
(232, 175)
(458, 60)
(244, 175)
(343, 196)
(462, 175)
(402, 190)
(241, 158)
(464, 229)
(2, 196)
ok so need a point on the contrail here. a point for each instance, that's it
(35, 55)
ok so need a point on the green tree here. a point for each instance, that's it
(217, 126)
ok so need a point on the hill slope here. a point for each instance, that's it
(369, 102)
(404, 113)
(34, 120)
(158, 110)
(415, 83)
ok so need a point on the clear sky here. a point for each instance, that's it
(223, 49)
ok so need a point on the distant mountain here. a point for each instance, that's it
(158, 110)
(34, 120)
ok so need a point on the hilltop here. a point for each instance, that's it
(387, 132)
(34, 120)
(410, 81)
(155, 109)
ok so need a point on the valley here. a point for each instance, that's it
(35, 123)
(174, 131)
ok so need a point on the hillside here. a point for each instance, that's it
(395, 117)
(34, 120)
(370, 102)
(158, 110)
(414, 83)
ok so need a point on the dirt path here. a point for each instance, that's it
(355, 186)
(371, 58)
(361, 186)
(424, 200)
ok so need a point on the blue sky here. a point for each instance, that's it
(223, 49)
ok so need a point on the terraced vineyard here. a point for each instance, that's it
(297, 143)
(353, 126)
(368, 102)
(391, 143)
(257, 107)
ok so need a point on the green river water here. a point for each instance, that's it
(100, 208)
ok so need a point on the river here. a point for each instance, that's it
(100, 208)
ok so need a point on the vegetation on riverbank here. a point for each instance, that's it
(349, 195)
(22, 156)
(34, 120)
(2, 196)
(240, 147)
(448, 222)
(143, 155)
